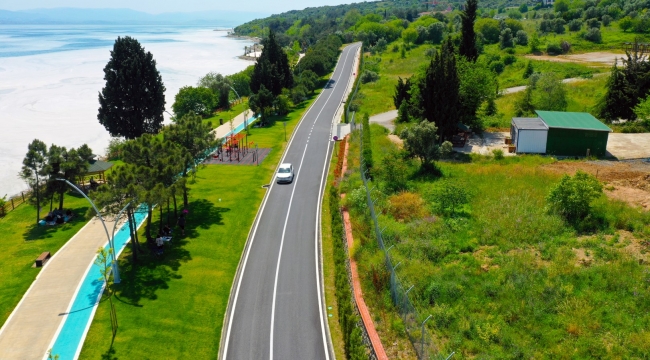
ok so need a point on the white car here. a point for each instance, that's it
(285, 174)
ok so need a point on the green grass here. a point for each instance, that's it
(226, 115)
(173, 306)
(513, 74)
(22, 242)
(582, 96)
(502, 279)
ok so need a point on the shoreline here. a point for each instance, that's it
(244, 37)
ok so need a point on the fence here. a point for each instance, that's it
(13, 202)
(414, 322)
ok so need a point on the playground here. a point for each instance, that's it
(236, 149)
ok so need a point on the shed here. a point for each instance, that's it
(574, 134)
(529, 135)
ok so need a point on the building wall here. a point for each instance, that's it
(569, 142)
(532, 141)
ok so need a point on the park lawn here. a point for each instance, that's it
(503, 277)
(226, 115)
(22, 241)
(513, 75)
(582, 96)
(173, 306)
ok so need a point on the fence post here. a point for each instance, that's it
(23, 194)
(12, 204)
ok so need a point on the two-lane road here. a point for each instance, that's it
(276, 310)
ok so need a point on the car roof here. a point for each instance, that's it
(285, 165)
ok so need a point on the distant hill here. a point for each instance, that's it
(125, 16)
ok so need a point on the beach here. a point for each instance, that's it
(50, 79)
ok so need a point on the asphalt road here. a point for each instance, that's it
(277, 311)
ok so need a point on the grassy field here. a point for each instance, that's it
(173, 306)
(228, 114)
(582, 96)
(502, 277)
(22, 241)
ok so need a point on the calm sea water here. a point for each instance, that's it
(50, 78)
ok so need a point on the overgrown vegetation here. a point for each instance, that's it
(500, 273)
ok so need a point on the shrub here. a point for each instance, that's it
(593, 23)
(450, 197)
(369, 76)
(505, 39)
(522, 38)
(529, 70)
(572, 196)
(498, 154)
(565, 45)
(593, 35)
(407, 206)
(3, 203)
(553, 49)
(575, 25)
(509, 59)
(394, 171)
(607, 20)
(497, 66)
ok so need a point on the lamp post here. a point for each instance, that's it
(116, 271)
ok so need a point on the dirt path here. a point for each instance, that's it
(598, 58)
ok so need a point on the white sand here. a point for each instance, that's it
(54, 97)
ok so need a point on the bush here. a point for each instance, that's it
(565, 45)
(522, 38)
(497, 66)
(571, 198)
(505, 39)
(593, 23)
(407, 206)
(369, 76)
(3, 203)
(509, 59)
(553, 49)
(575, 25)
(593, 35)
(529, 70)
(607, 20)
(450, 197)
(498, 154)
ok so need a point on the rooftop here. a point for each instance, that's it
(529, 124)
(97, 166)
(572, 120)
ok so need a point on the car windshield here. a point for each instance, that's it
(284, 170)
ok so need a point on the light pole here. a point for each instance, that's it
(116, 271)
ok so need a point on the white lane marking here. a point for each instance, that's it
(284, 229)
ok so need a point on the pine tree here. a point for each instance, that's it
(272, 68)
(440, 92)
(33, 170)
(468, 36)
(402, 92)
(133, 100)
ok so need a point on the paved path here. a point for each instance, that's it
(29, 330)
(629, 146)
(223, 130)
(276, 308)
(385, 119)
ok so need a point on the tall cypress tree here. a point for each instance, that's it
(440, 92)
(133, 100)
(272, 68)
(468, 36)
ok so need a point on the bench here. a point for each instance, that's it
(42, 259)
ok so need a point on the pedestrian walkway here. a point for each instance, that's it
(238, 124)
(32, 325)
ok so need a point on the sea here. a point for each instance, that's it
(51, 76)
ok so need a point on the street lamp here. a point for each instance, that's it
(116, 271)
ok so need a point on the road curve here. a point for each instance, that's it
(276, 309)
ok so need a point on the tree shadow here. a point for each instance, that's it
(109, 354)
(41, 232)
(153, 272)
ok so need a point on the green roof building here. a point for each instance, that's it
(574, 134)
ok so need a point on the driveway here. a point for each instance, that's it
(484, 145)
(385, 119)
(629, 146)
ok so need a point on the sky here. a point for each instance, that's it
(164, 6)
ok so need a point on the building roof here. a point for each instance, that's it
(572, 120)
(97, 166)
(529, 124)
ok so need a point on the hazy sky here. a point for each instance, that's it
(161, 6)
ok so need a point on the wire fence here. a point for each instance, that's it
(353, 95)
(414, 322)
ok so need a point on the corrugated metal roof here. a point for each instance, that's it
(529, 124)
(572, 120)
